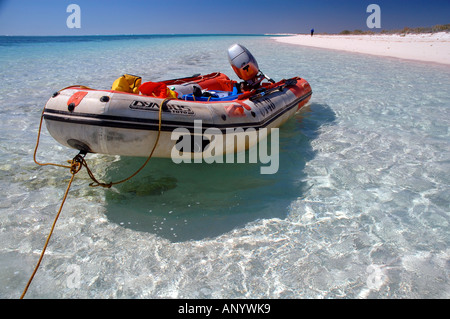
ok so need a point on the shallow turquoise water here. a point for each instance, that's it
(358, 208)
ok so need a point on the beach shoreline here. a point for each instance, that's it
(426, 47)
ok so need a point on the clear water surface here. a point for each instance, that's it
(358, 209)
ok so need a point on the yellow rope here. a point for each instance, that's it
(37, 145)
(75, 166)
(40, 128)
(96, 183)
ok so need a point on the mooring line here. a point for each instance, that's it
(76, 164)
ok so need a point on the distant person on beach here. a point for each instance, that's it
(312, 32)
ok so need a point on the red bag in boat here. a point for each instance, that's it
(156, 89)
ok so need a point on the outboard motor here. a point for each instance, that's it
(245, 66)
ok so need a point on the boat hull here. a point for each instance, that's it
(117, 123)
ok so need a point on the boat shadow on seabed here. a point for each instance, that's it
(194, 201)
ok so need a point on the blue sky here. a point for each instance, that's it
(48, 17)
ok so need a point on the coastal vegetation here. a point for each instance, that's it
(404, 31)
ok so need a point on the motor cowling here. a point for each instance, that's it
(243, 62)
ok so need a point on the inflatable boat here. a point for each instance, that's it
(186, 116)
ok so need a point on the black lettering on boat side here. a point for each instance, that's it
(180, 109)
(143, 105)
(152, 106)
(265, 105)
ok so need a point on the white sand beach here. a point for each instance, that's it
(433, 47)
